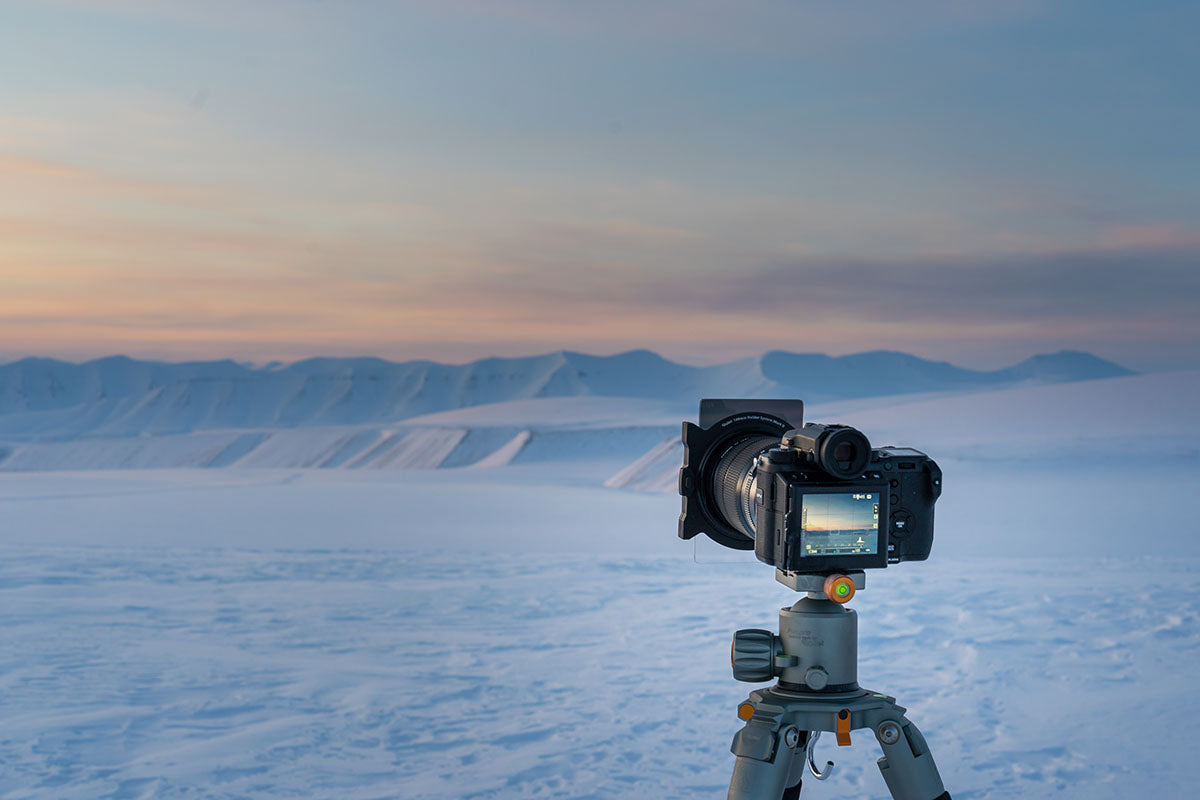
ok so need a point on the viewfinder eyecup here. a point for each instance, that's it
(839, 451)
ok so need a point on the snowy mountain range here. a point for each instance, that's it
(43, 399)
(363, 413)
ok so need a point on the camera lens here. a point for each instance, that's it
(735, 481)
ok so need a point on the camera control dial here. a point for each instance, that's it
(753, 655)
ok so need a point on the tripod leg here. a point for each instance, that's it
(792, 784)
(768, 762)
(907, 765)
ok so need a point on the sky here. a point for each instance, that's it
(456, 179)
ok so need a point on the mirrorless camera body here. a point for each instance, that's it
(807, 498)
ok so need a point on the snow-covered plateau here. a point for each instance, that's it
(515, 628)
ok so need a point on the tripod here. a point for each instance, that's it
(815, 657)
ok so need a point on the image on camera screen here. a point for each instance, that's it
(839, 524)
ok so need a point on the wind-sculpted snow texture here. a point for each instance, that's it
(137, 673)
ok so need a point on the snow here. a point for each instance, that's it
(1117, 418)
(46, 400)
(366, 413)
(202, 449)
(325, 448)
(166, 672)
(1143, 421)
(520, 630)
(407, 447)
(418, 449)
(578, 412)
(655, 471)
(504, 454)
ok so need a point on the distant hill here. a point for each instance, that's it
(819, 378)
(1043, 428)
(48, 400)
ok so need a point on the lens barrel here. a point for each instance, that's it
(734, 482)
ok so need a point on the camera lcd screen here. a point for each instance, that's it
(839, 524)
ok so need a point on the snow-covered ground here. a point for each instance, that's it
(136, 672)
(523, 631)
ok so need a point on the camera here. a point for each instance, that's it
(808, 498)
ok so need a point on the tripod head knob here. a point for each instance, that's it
(753, 655)
(838, 588)
(816, 678)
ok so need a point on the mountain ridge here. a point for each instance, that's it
(114, 396)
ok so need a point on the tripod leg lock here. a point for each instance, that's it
(769, 759)
(907, 764)
(756, 740)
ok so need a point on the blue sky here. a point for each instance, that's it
(456, 179)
